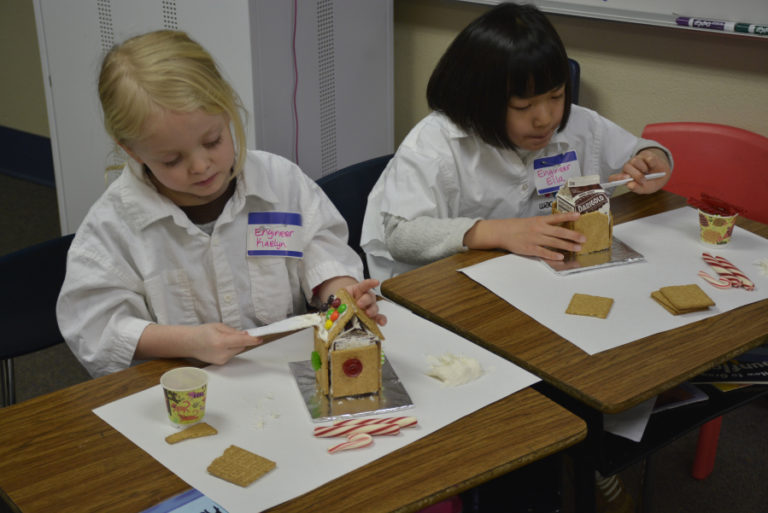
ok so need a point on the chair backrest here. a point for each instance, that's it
(348, 189)
(30, 281)
(723, 161)
(575, 79)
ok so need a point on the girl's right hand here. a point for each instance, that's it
(218, 343)
(530, 236)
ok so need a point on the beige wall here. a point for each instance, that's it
(632, 74)
(22, 96)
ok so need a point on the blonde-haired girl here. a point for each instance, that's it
(198, 239)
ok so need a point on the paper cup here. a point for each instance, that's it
(715, 230)
(184, 389)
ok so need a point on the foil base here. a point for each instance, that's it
(392, 397)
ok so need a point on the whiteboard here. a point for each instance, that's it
(656, 12)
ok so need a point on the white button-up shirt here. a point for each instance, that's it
(137, 259)
(442, 172)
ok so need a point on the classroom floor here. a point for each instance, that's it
(28, 214)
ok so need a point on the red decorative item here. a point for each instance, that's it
(352, 367)
(712, 205)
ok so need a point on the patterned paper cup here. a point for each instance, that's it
(185, 390)
(715, 230)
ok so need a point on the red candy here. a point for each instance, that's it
(352, 367)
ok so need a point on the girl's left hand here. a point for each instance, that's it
(649, 160)
(366, 299)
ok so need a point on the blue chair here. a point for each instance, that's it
(348, 189)
(30, 281)
(575, 80)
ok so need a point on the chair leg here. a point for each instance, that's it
(706, 449)
(8, 396)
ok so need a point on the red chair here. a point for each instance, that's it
(724, 161)
(728, 163)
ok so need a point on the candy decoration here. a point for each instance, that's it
(728, 272)
(372, 429)
(720, 283)
(316, 362)
(352, 367)
(353, 442)
(376, 429)
(402, 422)
(334, 311)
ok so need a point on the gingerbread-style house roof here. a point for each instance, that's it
(346, 310)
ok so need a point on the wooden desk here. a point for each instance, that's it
(57, 455)
(611, 381)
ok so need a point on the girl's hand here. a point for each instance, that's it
(218, 343)
(366, 299)
(211, 343)
(530, 236)
(649, 160)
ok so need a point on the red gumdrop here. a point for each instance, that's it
(352, 367)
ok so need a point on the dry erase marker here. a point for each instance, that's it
(726, 26)
(750, 28)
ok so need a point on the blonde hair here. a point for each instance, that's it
(164, 70)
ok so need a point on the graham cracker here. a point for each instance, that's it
(592, 306)
(681, 299)
(195, 431)
(596, 226)
(239, 466)
(686, 297)
(366, 382)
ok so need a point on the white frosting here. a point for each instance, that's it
(763, 266)
(454, 370)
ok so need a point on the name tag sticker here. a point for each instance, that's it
(551, 173)
(274, 234)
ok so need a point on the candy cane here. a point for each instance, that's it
(721, 270)
(373, 429)
(745, 282)
(728, 271)
(720, 283)
(353, 442)
(403, 422)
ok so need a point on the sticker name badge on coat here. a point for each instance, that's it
(274, 234)
(552, 172)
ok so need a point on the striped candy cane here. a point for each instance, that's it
(403, 422)
(353, 442)
(371, 429)
(727, 272)
(720, 283)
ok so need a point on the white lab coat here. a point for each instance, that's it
(137, 259)
(440, 171)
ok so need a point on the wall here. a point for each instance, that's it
(22, 97)
(632, 74)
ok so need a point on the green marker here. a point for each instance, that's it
(750, 28)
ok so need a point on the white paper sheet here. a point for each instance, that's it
(255, 404)
(630, 424)
(672, 250)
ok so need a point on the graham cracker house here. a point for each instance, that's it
(347, 354)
